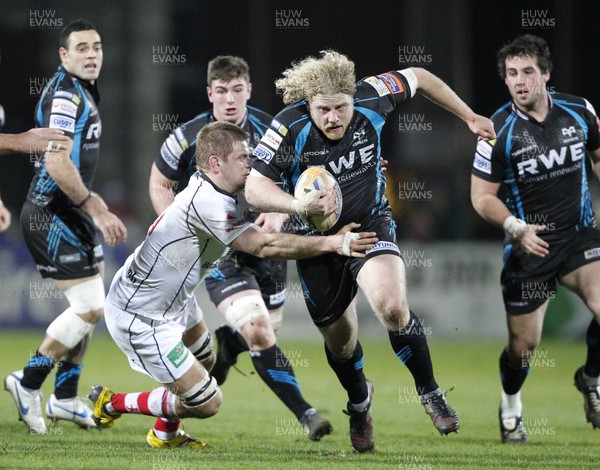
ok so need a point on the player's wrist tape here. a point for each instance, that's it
(85, 199)
(513, 226)
(297, 210)
(348, 237)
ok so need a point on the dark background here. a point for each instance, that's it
(457, 40)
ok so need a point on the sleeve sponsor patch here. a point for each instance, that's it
(181, 138)
(174, 146)
(589, 107)
(484, 149)
(70, 96)
(379, 86)
(63, 123)
(482, 164)
(279, 127)
(264, 153)
(63, 106)
(392, 82)
(272, 139)
(168, 157)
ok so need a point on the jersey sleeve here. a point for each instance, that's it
(489, 161)
(593, 140)
(65, 107)
(274, 153)
(383, 92)
(175, 155)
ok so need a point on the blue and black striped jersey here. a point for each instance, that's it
(177, 160)
(71, 105)
(293, 143)
(541, 165)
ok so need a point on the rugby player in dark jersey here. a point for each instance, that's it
(243, 283)
(551, 235)
(333, 122)
(60, 220)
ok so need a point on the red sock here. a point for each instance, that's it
(165, 430)
(131, 403)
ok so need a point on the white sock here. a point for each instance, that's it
(590, 381)
(511, 405)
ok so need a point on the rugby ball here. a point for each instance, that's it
(315, 178)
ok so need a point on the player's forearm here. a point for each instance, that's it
(491, 209)
(268, 197)
(67, 177)
(434, 89)
(286, 246)
(10, 143)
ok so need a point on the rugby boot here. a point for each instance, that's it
(591, 399)
(71, 409)
(315, 426)
(361, 425)
(29, 403)
(442, 415)
(184, 439)
(100, 396)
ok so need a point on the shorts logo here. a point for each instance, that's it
(380, 246)
(593, 253)
(62, 122)
(178, 354)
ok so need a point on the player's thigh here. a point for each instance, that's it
(342, 335)
(585, 282)
(525, 330)
(383, 280)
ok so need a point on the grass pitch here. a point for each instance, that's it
(254, 430)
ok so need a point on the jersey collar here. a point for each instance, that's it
(206, 178)
(523, 115)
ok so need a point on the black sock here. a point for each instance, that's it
(276, 371)
(512, 375)
(67, 379)
(350, 374)
(410, 345)
(592, 339)
(35, 372)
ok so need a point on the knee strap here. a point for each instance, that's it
(244, 309)
(86, 296)
(200, 393)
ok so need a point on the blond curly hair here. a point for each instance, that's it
(330, 74)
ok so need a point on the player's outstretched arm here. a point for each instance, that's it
(62, 170)
(161, 190)
(433, 88)
(259, 243)
(266, 196)
(485, 200)
(34, 141)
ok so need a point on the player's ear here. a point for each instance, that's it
(209, 93)
(62, 53)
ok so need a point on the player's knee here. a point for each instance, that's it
(258, 333)
(86, 299)
(204, 399)
(394, 314)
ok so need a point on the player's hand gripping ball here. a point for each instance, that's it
(315, 178)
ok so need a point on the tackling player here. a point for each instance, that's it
(333, 122)
(64, 240)
(152, 295)
(243, 282)
(551, 235)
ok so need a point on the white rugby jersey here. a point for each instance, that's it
(187, 241)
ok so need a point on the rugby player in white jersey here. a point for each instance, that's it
(151, 297)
